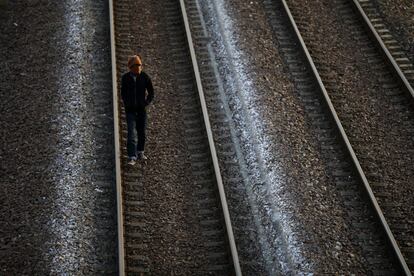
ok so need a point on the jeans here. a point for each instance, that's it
(136, 122)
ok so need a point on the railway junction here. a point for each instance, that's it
(280, 140)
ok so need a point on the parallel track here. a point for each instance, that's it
(221, 253)
(255, 243)
(400, 94)
(363, 209)
(401, 80)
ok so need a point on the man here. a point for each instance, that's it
(137, 93)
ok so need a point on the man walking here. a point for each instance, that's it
(137, 93)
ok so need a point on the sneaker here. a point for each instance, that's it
(141, 156)
(131, 161)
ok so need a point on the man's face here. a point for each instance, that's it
(136, 66)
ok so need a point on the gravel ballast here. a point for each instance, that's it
(375, 113)
(291, 191)
(57, 210)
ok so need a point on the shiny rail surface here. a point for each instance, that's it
(131, 225)
(120, 222)
(343, 136)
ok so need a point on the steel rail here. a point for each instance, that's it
(407, 86)
(384, 48)
(118, 180)
(223, 200)
(348, 145)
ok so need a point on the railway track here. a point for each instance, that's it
(217, 250)
(258, 251)
(378, 247)
(363, 211)
(392, 72)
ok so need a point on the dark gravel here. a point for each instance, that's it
(58, 213)
(295, 203)
(379, 124)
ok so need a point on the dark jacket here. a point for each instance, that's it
(133, 92)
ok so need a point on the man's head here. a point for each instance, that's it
(135, 64)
